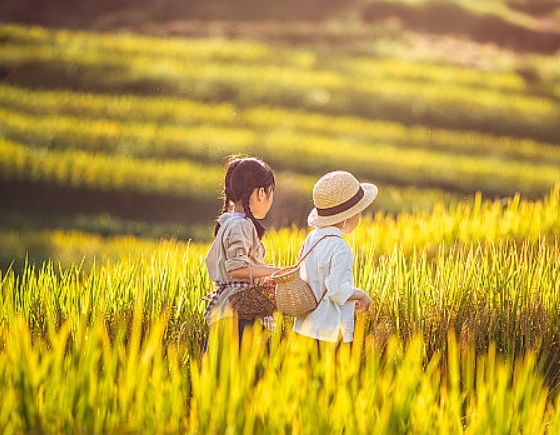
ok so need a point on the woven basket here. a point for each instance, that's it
(294, 297)
(253, 302)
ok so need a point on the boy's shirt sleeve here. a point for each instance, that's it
(340, 280)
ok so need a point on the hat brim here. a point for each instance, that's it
(370, 193)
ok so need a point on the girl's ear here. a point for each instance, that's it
(262, 192)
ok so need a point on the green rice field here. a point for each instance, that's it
(112, 152)
(91, 115)
(461, 337)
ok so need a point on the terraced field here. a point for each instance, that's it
(107, 116)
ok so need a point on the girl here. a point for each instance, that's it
(237, 253)
(339, 200)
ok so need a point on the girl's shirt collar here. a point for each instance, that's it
(229, 215)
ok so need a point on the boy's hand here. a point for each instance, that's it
(363, 302)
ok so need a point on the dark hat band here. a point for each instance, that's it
(346, 205)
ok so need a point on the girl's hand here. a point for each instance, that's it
(269, 281)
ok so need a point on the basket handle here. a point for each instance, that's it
(250, 273)
(308, 252)
(313, 247)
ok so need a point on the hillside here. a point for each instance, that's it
(123, 126)
(521, 24)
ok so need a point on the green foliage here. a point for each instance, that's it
(460, 337)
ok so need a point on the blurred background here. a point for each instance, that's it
(117, 116)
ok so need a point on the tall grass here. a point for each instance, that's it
(89, 382)
(474, 220)
(460, 338)
(481, 220)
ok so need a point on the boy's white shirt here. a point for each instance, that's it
(329, 266)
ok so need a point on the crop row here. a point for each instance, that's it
(80, 45)
(62, 114)
(42, 43)
(334, 86)
(379, 153)
(123, 172)
(76, 168)
(170, 68)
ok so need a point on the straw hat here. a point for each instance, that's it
(337, 196)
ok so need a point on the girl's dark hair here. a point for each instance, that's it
(243, 175)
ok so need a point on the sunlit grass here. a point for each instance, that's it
(88, 381)
(460, 337)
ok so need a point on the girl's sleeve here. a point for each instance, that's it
(340, 280)
(239, 242)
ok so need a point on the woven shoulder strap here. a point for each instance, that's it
(308, 252)
(315, 244)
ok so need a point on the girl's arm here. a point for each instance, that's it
(256, 271)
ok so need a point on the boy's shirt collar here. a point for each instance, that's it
(328, 230)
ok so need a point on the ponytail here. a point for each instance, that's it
(227, 193)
